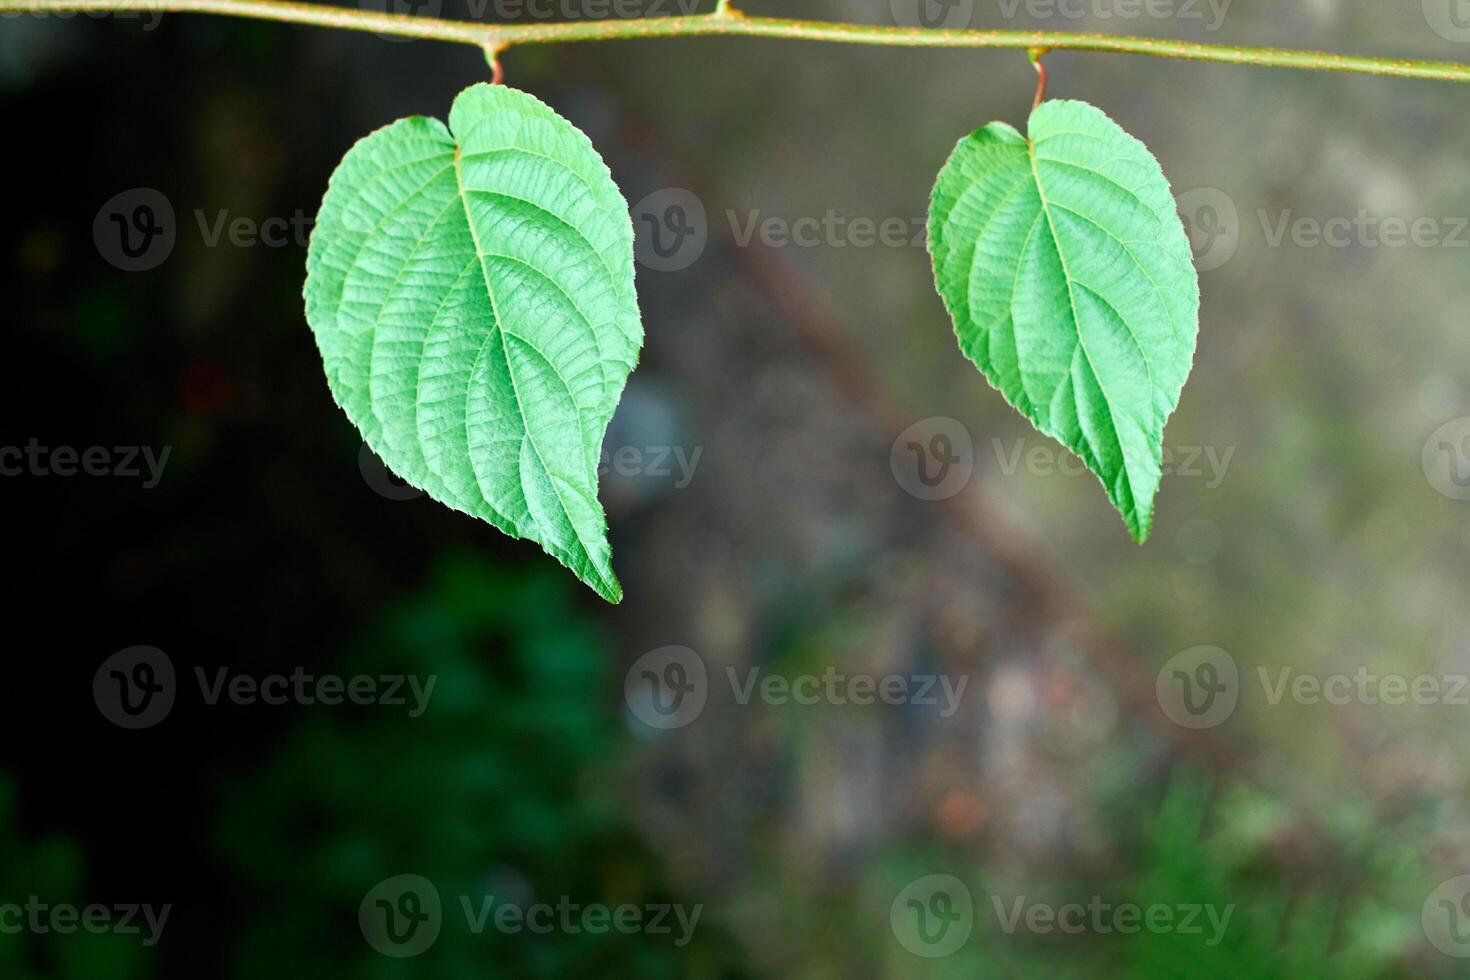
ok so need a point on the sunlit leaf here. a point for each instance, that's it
(1068, 275)
(471, 291)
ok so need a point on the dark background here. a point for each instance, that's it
(267, 547)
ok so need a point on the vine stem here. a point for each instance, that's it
(727, 21)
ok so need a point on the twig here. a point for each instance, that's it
(727, 21)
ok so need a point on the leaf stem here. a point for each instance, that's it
(727, 21)
(492, 57)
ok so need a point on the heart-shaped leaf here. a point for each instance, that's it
(471, 291)
(1067, 271)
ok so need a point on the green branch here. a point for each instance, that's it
(728, 22)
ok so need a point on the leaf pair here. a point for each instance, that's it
(471, 291)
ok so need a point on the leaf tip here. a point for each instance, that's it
(610, 589)
(1140, 525)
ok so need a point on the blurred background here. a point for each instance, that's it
(891, 694)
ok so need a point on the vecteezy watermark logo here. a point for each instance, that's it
(1109, 10)
(667, 688)
(1365, 687)
(1213, 224)
(674, 463)
(933, 916)
(671, 230)
(1364, 230)
(572, 918)
(565, 10)
(40, 917)
(34, 459)
(832, 230)
(932, 14)
(834, 687)
(933, 459)
(1202, 686)
(1102, 917)
(1450, 19)
(1193, 462)
(1446, 459)
(155, 17)
(1446, 917)
(303, 688)
(409, 8)
(381, 480)
(134, 688)
(1198, 687)
(243, 231)
(134, 230)
(401, 916)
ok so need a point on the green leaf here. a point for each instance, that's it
(1068, 275)
(471, 292)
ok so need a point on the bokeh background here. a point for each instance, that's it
(768, 514)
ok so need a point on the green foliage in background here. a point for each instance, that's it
(505, 786)
(53, 870)
(1356, 920)
(1278, 932)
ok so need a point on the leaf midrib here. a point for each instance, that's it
(499, 331)
(607, 381)
(1077, 328)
